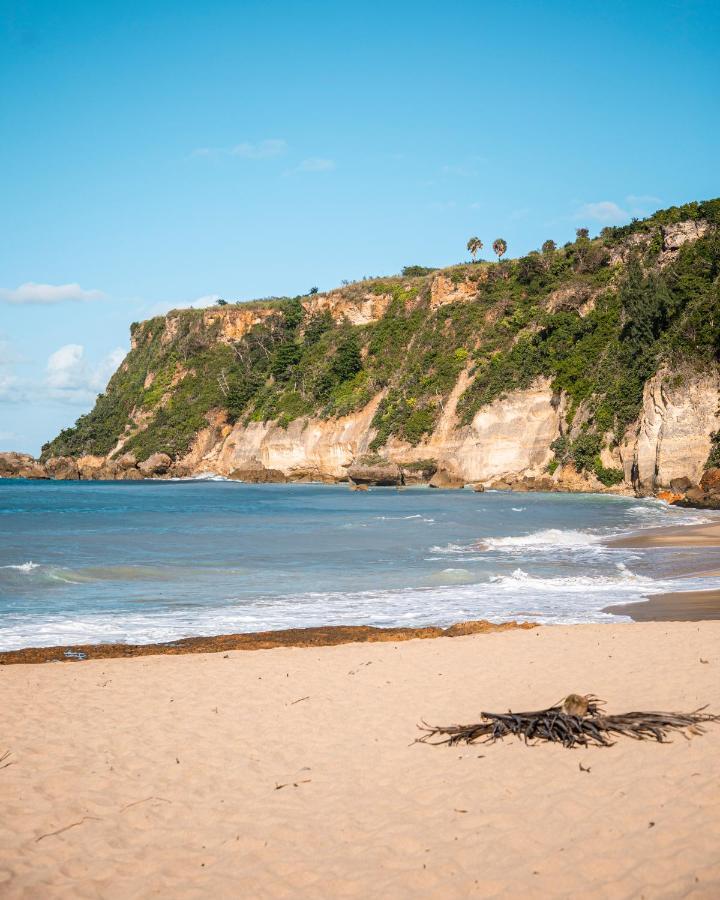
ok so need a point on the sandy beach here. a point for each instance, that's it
(293, 772)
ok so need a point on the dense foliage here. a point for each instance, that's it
(597, 318)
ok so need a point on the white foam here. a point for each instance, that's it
(547, 539)
(23, 567)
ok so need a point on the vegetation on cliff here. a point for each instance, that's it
(597, 317)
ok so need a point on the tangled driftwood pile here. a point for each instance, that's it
(578, 721)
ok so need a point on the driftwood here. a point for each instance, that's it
(578, 721)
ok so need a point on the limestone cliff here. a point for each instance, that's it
(593, 366)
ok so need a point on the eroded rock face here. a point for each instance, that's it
(20, 465)
(62, 468)
(672, 439)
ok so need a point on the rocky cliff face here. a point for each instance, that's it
(593, 367)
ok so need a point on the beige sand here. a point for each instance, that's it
(677, 536)
(291, 772)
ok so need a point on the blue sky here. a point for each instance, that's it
(159, 154)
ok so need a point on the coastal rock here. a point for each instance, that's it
(478, 488)
(381, 472)
(258, 474)
(62, 468)
(20, 465)
(419, 472)
(89, 467)
(447, 480)
(710, 481)
(157, 464)
(126, 461)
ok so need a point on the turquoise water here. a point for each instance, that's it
(153, 561)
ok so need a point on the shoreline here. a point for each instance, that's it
(324, 636)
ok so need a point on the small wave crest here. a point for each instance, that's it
(23, 567)
(623, 578)
(547, 539)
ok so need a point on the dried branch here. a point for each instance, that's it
(578, 721)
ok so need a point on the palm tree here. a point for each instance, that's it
(474, 245)
(499, 246)
(549, 246)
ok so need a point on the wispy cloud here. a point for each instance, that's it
(266, 149)
(317, 164)
(605, 211)
(642, 199)
(45, 294)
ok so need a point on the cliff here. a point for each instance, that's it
(590, 366)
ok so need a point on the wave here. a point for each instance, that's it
(623, 578)
(546, 539)
(23, 567)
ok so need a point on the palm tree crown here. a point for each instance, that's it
(499, 246)
(474, 245)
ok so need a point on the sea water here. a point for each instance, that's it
(84, 562)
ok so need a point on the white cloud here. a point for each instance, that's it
(164, 306)
(316, 164)
(33, 293)
(247, 150)
(642, 199)
(603, 211)
(71, 379)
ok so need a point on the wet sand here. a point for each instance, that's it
(293, 773)
(679, 536)
(678, 606)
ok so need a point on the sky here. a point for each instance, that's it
(162, 154)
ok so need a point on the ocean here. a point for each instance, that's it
(138, 562)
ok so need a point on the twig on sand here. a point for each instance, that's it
(5, 756)
(578, 721)
(66, 828)
(144, 800)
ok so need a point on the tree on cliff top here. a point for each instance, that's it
(474, 245)
(499, 247)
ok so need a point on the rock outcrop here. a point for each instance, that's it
(21, 465)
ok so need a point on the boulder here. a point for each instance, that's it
(157, 464)
(447, 480)
(380, 472)
(62, 468)
(20, 465)
(359, 487)
(256, 473)
(500, 485)
(680, 485)
(126, 461)
(478, 488)
(710, 481)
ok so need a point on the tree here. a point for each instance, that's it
(549, 246)
(222, 302)
(582, 234)
(313, 290)
(499, 247)
(474, 245)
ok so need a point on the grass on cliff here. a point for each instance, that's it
(596, 329)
